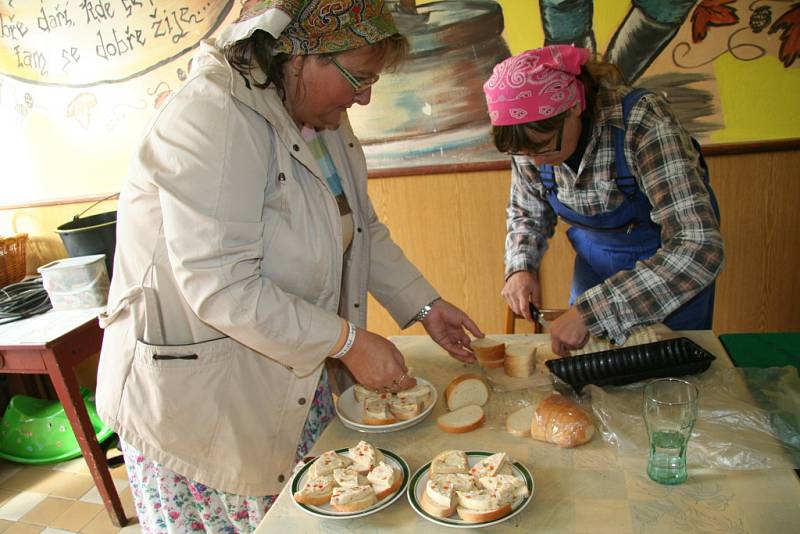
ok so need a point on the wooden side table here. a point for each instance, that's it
(54, 343)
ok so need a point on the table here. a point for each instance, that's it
(587, 489)
(773, 349)
(54, 343)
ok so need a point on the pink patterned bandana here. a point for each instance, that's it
(535, 85)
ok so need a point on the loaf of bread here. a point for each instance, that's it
(559, 420)
(464, 390)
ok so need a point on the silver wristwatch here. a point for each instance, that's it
(425, 310)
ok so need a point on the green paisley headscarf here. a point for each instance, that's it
(305, 27)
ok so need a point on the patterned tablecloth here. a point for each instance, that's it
(587, 489)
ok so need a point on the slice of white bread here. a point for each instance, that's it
(559, 420)
(464, 419)
(316, 491)
(464, 390)
(404, 409)
(360, 392)
(508, 487)
(326, 463)
(447, 462)
(376, 412)
(353, 499)
(489, 466)
(420, 393)
(437, 510)
(474, 516)
(385, 480)
(365, 457)
(518, 423)
(520, 360)
(348, 477)
(488, 348)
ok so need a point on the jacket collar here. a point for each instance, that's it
(265, 102)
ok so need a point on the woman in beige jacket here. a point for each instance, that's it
(246, 247)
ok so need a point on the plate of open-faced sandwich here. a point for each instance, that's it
(365, 410)
(350, 482)
(470, 489)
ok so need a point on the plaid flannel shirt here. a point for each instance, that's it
(666, 166)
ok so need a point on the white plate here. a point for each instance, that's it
(420, 479)
(328, 512)
(351, 412)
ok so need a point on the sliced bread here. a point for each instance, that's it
(519, 422)
(520, 360)
(487, 348)
(465, 390)
(450, 462)
(316, 491)
(464, 419)
(353, 499)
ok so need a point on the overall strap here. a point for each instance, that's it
(548, 177)
(624, 178)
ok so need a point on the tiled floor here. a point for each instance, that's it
(59, 499)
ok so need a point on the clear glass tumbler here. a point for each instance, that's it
(670, 410)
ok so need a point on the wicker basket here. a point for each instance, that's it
(12, 259)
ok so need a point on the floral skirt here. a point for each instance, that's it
(167, 502)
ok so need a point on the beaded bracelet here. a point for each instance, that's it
(348, 344)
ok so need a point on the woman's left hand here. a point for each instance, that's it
(445, 324)
(568, 332)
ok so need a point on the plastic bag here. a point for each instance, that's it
(748, 418)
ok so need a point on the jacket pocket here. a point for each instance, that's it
(175, 394)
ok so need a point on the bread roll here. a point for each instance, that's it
(464, 390)
(559, 420)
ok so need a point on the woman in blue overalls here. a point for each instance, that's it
(615, 164)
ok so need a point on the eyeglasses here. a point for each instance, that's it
(555, 149)
(358, 84)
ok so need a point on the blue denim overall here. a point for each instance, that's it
(608, 243)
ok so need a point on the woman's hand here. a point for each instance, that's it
(377, 364)
(445, 324)
(568, 332)
(520, 290)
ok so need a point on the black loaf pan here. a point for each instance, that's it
(616, 367)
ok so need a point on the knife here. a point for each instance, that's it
(539, 315)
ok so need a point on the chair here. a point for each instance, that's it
(511, 321)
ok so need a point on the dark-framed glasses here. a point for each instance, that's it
(358, 83)
(556, 148)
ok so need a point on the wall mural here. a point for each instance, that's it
(80, 79)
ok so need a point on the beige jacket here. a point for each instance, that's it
(227, 225)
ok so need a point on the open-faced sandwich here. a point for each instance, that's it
(484, 492)
(383, 408)
(351, 482)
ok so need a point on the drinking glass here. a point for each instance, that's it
(670, 410)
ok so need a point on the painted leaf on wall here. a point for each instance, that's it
(789, 24)
(712, 13)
